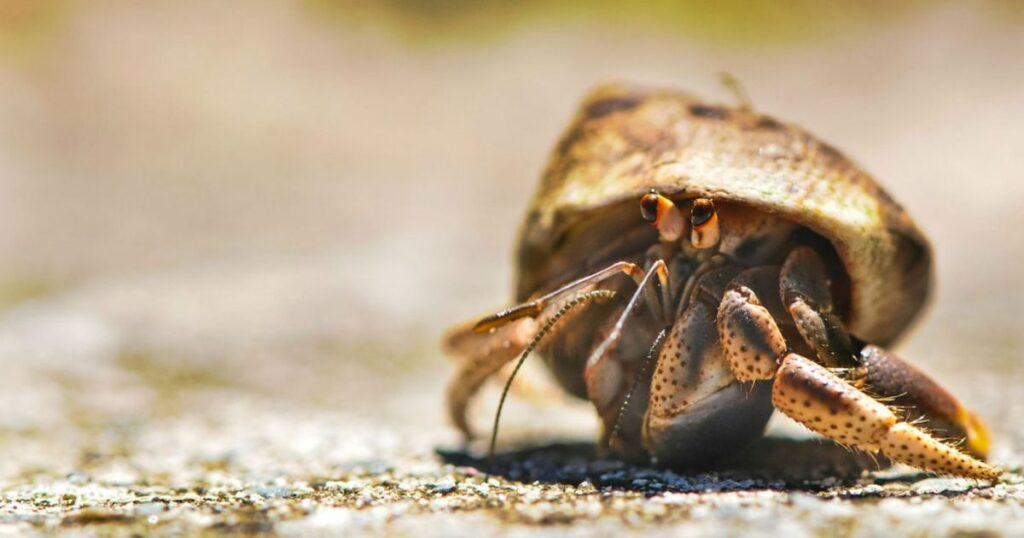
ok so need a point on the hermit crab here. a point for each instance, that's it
(689, 267)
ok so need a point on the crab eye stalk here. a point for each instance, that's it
(660, 212)
(703, 224)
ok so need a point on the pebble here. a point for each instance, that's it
(444, 485)
(937, 486)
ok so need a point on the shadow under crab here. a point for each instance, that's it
(768, 463)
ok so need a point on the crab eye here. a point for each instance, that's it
(703, 210)
(649, 207)
(661, 213)
(703, 223)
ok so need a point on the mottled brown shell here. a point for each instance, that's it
(626, 141)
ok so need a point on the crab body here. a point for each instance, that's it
(793, 269)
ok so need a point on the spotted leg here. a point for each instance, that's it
(821, 400)
(910, 389)
(806, 291)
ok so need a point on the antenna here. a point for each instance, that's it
(548, 325)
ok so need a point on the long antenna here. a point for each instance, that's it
(636, 381)
(582, 298)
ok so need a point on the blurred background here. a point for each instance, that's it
(232, 232)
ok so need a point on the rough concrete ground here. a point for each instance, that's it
(228, 259)
(297, 441)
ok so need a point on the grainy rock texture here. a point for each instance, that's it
(233, 232)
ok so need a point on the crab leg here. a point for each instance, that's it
(612, 378)
(609, 373)
(658, 269)
(822, 401)
(487, 345)
(484, 354)
(536, 306)
(812, 395)
(806, 292)
(908, 387)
